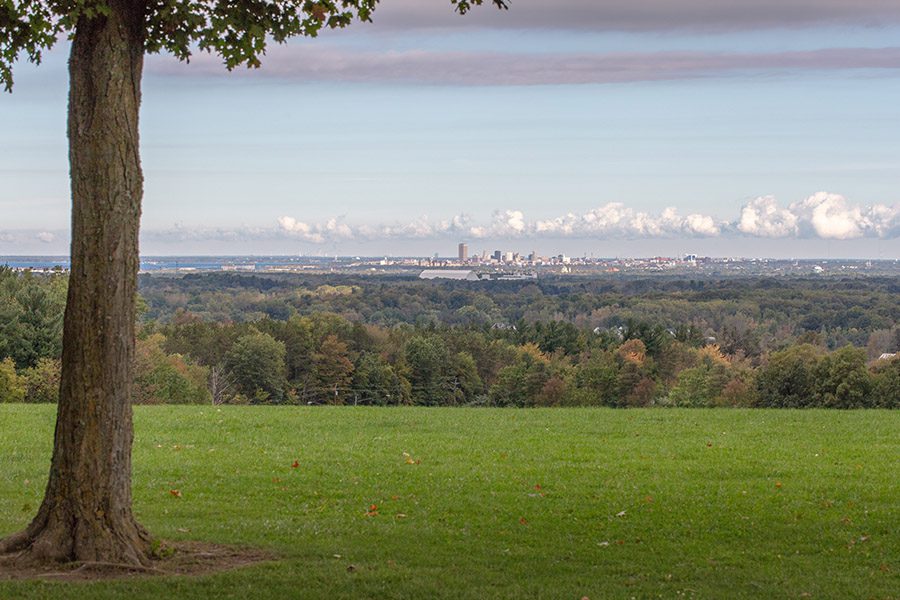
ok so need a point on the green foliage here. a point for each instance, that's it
(334, 351)
(428, 359)
(748, 317)
(333, 370)
(256, 363)
(12, 388)
(522, 383)
(843, 380)
(238, 31)
(789, 378)
(26, 26)
(703, 385)
(375, 381)
(42, 381)
(31, 311)
(167, 378)
(886, 384)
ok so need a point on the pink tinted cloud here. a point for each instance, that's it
(641, 15)
(310, 62)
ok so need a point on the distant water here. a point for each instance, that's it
(168, 263)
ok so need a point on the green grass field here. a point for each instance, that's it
(552, 503)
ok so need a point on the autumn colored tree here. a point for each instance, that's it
(86, 513)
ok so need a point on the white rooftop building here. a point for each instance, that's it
(457, 274)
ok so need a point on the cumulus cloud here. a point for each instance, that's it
(505, 224)
(762, 217)
(610, 220)
(46, 237)
(831, 216)
(616, 220)
(821, 215)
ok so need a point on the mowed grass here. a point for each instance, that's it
(501, 503)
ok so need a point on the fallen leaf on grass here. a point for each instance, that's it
(523, 521)
(295, 464)
(401, 515)
(778, 484)
(410, 460)
(373, 510)
(620, 514)
(175, 493)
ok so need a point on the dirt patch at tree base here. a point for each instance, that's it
(175, 559)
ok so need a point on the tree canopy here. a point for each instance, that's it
(238, 31)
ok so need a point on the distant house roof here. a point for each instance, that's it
(887, 356)
(458, 274)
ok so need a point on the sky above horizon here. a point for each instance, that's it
(715, 127)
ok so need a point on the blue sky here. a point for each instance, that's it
(729, 128)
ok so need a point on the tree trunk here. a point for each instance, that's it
(86, 513)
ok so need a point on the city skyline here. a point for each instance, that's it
(694, 126)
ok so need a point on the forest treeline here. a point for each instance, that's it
(226, 338)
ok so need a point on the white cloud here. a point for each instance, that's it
(823, 215)
(700, 226)
(46, 237)
(617, 220)
(831, 216)
(763, 217)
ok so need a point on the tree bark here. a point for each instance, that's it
(86, 514)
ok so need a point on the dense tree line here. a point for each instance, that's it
(750, 316)
(697, 344)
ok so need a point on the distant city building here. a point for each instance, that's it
(463, 253)
(498, 255)
(457, 274)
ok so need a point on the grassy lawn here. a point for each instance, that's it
(501, 503)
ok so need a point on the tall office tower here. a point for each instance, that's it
(463, 253)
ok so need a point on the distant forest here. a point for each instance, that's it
(555, 341)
